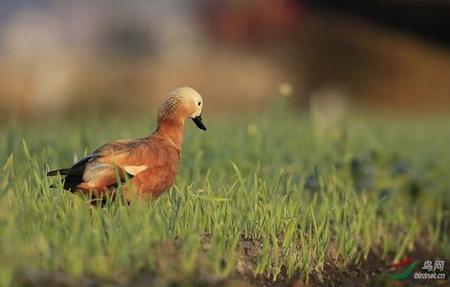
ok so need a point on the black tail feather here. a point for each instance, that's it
(74, 170)
(55, 172)
(71, 182)
(73, 177)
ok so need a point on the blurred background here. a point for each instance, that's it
(64, 58)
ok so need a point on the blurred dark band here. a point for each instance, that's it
(429, 19)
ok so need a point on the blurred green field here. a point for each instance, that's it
(271, 195)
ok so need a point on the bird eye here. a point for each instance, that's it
(199, 103)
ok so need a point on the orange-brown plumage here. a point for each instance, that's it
(150, 164)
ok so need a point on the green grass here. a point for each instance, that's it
(364, 185)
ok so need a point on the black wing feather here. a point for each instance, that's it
(74, 175)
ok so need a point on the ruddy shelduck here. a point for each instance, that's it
(147, 166)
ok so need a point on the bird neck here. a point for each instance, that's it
(170, 130)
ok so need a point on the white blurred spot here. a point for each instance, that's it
(285, 90)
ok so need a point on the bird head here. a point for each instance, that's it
(182, 103)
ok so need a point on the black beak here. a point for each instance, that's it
(199, 123)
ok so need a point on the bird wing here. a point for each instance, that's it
(115, 160)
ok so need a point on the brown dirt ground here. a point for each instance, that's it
(369, 272)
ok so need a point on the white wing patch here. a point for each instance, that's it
(134, 169)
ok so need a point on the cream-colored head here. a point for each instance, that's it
(182, 103)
